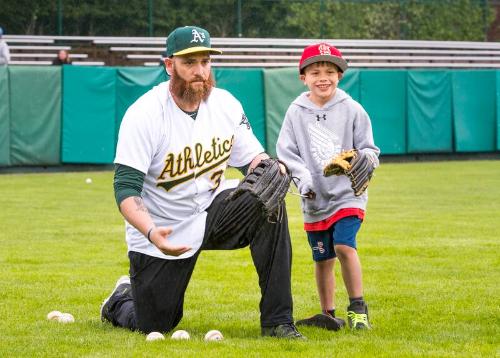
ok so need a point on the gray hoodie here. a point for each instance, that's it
(4, 53)
(310, 136)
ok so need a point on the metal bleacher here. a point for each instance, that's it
(41, 50)
(258, 52)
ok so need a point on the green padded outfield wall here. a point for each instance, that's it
(498, 108)
(351, 84)
(35, 115)
(430, 120)
(383, 95)
(4, 117)
(410, 110)
(474, 97)
(89, 96)
(281, 87)
(246, 84)
(131, 83)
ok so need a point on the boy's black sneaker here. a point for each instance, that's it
(122, 287)
(357, 315)
(287, 330)
(322, 320)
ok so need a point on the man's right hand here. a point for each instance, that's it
(159, 237)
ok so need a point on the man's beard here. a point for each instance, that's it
(182, 89)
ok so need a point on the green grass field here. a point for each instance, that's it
(429, 248)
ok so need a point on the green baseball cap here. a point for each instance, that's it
(189, 39)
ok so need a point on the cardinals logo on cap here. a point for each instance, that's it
(324, 49)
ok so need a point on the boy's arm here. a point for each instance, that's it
(288, 152)
(363, 137)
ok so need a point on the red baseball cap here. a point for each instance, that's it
(322, 52)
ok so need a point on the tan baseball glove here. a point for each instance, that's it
(356, 165)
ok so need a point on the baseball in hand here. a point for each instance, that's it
(180, 334)
(154, 336)
(54, 315)
(214, 335)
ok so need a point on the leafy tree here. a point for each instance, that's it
(28, 17)
(349, 19)
(105, 18)
(267, 18)
(334, 19)
(448, 20)
(391, 19)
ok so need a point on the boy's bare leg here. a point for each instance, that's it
(325, 283)
(357, 312)
(351, 270)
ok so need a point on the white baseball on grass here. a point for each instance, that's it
(54, 315)
(180, 334)
(214, 335)
(154, 336)
(66, 318)
(88, 181)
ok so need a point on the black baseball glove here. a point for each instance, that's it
(268, 185)
(356, 165)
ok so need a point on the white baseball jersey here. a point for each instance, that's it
(184, 161)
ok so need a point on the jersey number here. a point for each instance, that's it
(216, 177)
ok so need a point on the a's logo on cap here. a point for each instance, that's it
(324, 49)
(197, 36)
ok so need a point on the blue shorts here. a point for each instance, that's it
(343, 232)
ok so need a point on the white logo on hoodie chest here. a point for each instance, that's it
(324, 143)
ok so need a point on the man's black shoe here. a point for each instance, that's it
(122, 287)
(287, 330)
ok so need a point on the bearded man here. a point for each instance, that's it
(174, 146)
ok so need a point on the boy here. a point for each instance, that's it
(319, 125)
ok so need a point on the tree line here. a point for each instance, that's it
(459, 20)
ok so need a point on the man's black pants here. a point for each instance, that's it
(158, 285)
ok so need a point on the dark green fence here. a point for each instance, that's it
(54, 115)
